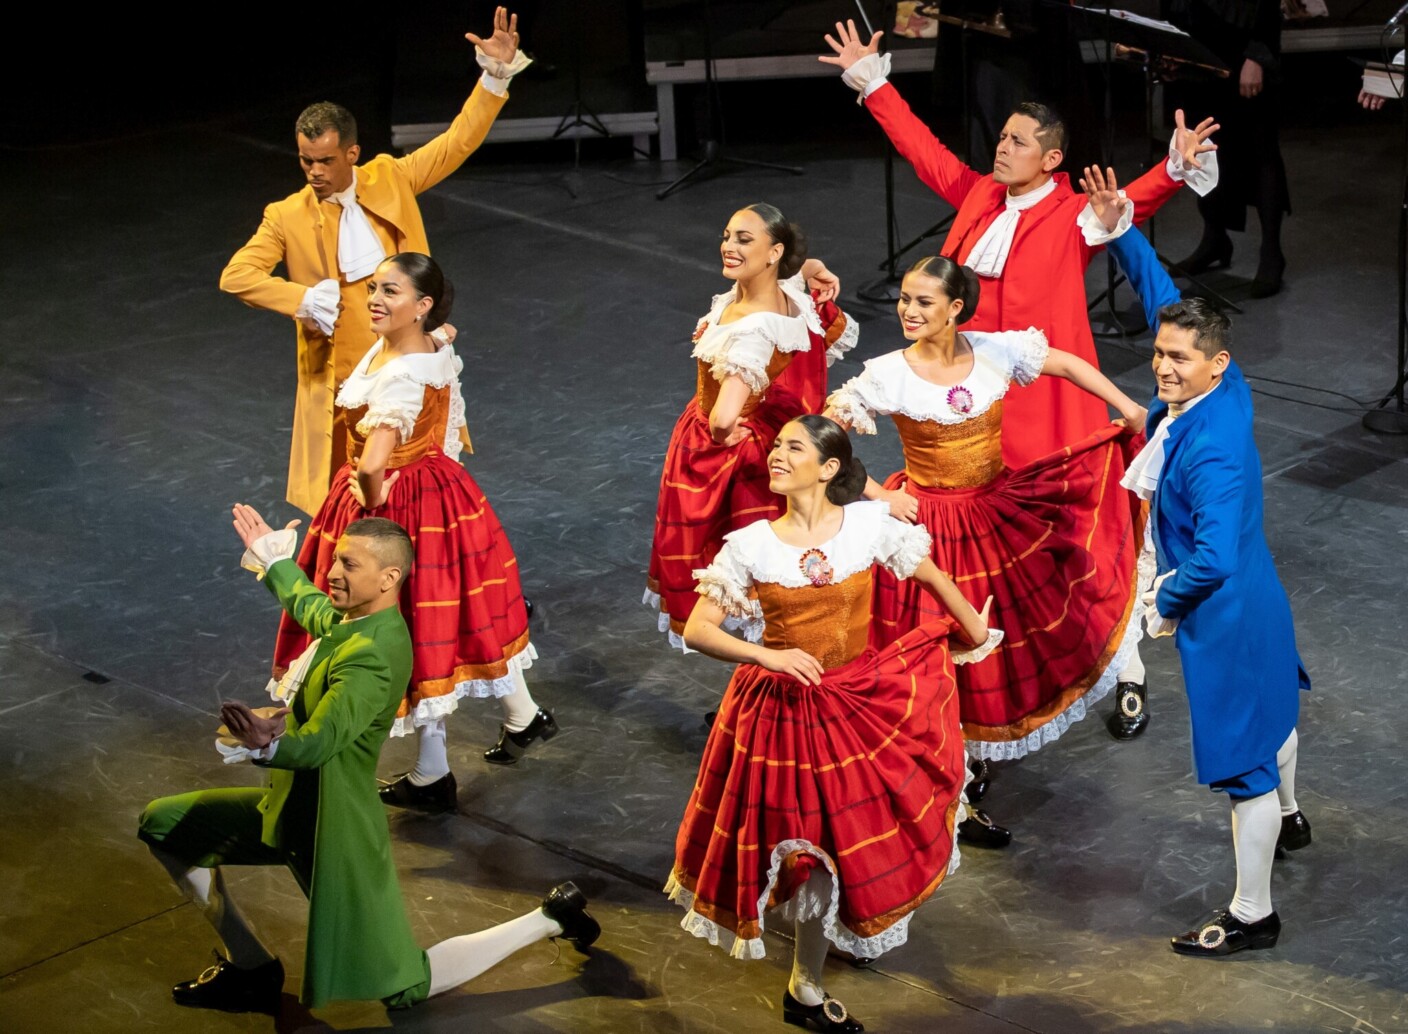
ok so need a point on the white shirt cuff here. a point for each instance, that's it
(1094, 230)
(233, 755)
(268, 550)
(867, 75)
(1158, 625)
(1201, 181)
(320, 305)
(977, 653)
(498, 73)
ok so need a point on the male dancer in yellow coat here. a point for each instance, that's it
(331, 235)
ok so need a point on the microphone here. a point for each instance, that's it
(1397, 17)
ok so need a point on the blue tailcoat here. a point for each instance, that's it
(1235, 635)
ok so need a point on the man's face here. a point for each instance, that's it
(326, 163)
(1019, 160)
(357, 577)
(1182, 371)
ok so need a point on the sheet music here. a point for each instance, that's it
(1136, 19)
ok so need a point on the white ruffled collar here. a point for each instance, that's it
(793, 287)
(432, 369)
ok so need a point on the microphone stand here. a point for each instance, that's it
(1382, 419)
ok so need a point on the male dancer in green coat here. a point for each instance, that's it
(320, 814)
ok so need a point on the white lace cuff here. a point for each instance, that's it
(1034, 347)
(1201, 181)
(867, 75)
(1093, 230)
(1158, 625)
(233, 755)
(845, 341)
(906, 546)
(268, 550)
(320, 305)
(382, 415)
(727, 594)
(850, 408)
(498, 73)
(973, 656)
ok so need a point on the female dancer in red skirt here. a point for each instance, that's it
(1054, 543)
(762, 351)
(829, 792)
(462, 599)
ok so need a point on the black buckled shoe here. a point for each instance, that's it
(1131, 715)
(566, 906)
(977, 830)
(1224, 934)
(1295, 834)
(441, 795)
(226, 987)
(830, 1015)
(513, 745)
(977, 787)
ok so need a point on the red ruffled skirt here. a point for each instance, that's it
(707, 491)
(462, 600)
(1055, 544)
(860, 776)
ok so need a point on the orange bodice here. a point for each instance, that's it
(830, 622)
(429, 429)
(707, 392)
(964, 455)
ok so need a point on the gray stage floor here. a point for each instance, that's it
(139, 404)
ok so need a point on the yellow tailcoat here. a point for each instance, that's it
(301, 232)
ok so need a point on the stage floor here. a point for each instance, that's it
(139, 403)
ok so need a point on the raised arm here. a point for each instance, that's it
(865, 70)
(249, 275)
(1186, 163)
(305, 602)
(1146, 274)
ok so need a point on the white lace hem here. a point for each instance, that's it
(394, 417)
(803, 906)
(452, 446)
(432, 709)
(851, 409)
(1079, 708)
(742, 611)
(981, 651)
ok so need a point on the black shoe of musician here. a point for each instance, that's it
(1295, 834)
(513, 745)
(1224, 934)
(1131, 715)
(977, 787)
(980, 831)
(225, 986)
(830, 1015)
(566, 906)
(441, 795)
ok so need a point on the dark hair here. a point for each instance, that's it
(835, 444)
(429, 282)
(1050, 127)
(788, 234)
(1212, 330)
(390, 542)
(317, 119)
(960, 282)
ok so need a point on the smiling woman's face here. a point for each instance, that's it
(746, 247)
(392, 300)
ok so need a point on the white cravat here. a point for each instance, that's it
(989, 255)
(359, 249)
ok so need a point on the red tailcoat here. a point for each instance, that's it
(1042, 285)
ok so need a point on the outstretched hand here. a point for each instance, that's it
(1103, 189)
(251, 527)
(1192, 142)
(252, 729)
(847, 47)
(503, 44)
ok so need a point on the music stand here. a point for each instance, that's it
(1158, 52)
(714, 147)
(578, 115)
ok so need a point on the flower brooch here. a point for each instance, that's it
(816, 567)
(960, 399)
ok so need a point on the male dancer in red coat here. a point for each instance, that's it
(1020, 228)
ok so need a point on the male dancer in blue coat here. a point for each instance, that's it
(1217, 591)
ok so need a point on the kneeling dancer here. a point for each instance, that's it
(829, 792)
(320, 814)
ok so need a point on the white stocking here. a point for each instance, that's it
(1133, 670)
(1286, 766)
(809, 954)
(519, 706)
(432, 762)
(206, 890)
(1256, 823)
(459, 959)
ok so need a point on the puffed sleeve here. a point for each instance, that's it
(395, 402)
(1023, 352)
(745, 352)
(859, 401)
(726, 581)
(901, 547)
